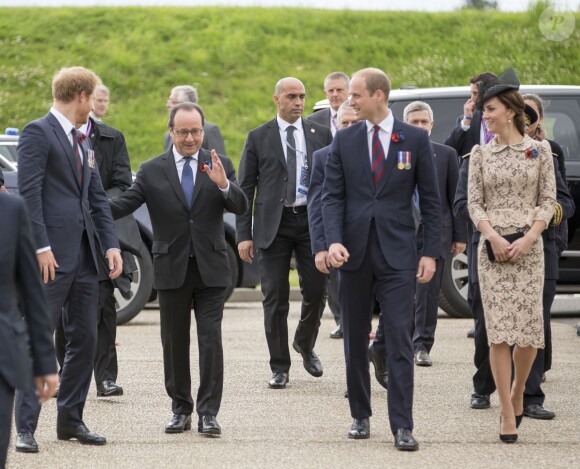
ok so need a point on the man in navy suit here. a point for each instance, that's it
(373, 169)
(59, 180)
(25, 329)
(345, 118)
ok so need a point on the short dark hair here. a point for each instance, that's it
(185, 107)
(483, 78)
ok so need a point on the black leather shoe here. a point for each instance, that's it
(479, 401)
(178, 423)
(208, 425)
(310, 360)
(25, 443)
(109, 388)
(360, 429)
(278, 381)
(471, 334)
(337, 333)
(422, 358)
(381, 373)
(536, 411)
(80, 433)
(404, 440)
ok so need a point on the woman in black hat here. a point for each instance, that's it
(511, 199)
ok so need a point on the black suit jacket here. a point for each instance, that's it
(321, 117)
(212, 139)
(264, 176)
(23, 309)
(464, 140)
(175, 226)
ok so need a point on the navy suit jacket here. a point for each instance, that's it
(350, 201)
(24, 317)
(60, 208)
(315, 223)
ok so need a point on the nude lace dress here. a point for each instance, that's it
(506, 183)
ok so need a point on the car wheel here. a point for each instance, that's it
(141, 287)
(453, 293)
(233, 260)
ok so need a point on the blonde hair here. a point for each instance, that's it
(69, 82)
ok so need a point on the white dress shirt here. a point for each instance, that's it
(301, 160)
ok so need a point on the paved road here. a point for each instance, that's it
(305, 425)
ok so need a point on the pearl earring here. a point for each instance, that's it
(509, 121)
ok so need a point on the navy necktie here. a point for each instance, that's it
(378, 156)
(187, 181)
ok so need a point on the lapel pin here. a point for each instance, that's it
(312, 130)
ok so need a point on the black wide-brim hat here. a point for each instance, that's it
(506, 81)
(530, 115)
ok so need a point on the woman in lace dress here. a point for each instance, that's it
(511, 189)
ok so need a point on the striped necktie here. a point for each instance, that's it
(378, 156)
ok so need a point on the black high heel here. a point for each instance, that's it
(519, 419)
(508, 438)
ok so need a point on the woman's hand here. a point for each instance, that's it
(520, 247)
(499, 246)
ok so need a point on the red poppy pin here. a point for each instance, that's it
(531, 153)
(397, 137)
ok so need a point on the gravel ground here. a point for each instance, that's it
(305, 425)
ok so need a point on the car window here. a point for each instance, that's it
(560, 116)
(8, 150)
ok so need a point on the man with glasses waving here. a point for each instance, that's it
(186, 191)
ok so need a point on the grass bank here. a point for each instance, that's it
(235, 55)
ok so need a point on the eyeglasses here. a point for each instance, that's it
(183, 133)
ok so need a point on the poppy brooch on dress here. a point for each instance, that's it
(397, 137)
(531, 153)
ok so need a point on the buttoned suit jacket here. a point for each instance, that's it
(174, 224)
(315, 223)
(60, 208)
(464, 140)
(264, 177)
(212, 139)
(24, 317)
(321, 117)
(350, 201)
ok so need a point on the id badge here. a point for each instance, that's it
(305, 177)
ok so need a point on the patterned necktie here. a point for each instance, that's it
(333, 120)
(378, 156)
(291, 165)
(78, 157)
(187, 181)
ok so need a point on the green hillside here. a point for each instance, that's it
(235, 55)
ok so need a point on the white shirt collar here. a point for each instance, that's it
(283, 125)
(178, 157)
(386, 124)
(66, 125)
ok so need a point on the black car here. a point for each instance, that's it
(562, 123)
(243, 274)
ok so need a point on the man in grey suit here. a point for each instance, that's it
(186, 191)
(275, 176)
(59, 180)
(336, 91)
(25, 326)
(212, 136)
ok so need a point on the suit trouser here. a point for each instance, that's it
(394, 290)
(292, 236)
(106, 355)
(175, 312)
(333, 299)
(6, 405)
(78, 288)
(426, 309)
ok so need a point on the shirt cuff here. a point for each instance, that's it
(464, 127)
(45, 249)
(225, 191)
(113, 249)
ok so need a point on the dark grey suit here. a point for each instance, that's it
(191, 265)
(67, 216)
(321, 117)
(25, 325)
(212, 139)
(276, 233)
(427, 294)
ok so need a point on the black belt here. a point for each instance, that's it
(295, 209)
